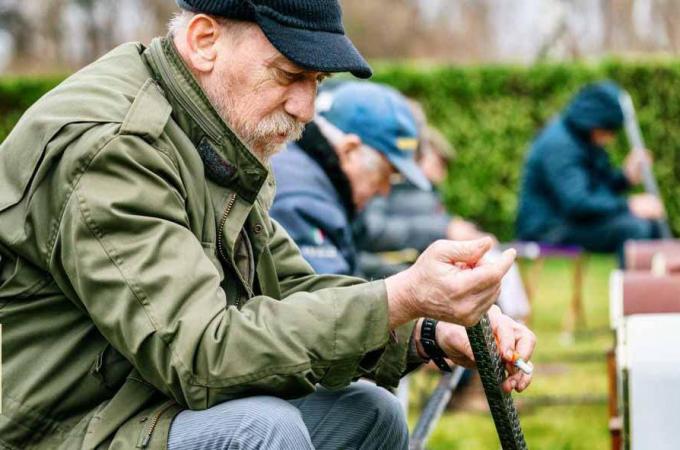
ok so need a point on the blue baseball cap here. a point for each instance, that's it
(382, 118)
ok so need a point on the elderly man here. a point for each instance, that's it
(571, 193)
(146, 297)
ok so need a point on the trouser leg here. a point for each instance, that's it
(251, 423)
(361, 416)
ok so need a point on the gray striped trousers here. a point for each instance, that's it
(361, 416)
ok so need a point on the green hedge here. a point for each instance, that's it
(491, 114)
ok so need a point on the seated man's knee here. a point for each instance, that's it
(254, 422)
(385, 413)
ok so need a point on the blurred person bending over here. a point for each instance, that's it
(412, 218)
(148, 300)
(364, 134)
(571, 193)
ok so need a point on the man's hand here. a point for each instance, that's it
(634, 163)
(448, 282)
(511, 337)
(646, 206)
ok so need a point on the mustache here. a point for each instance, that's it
(279, 123)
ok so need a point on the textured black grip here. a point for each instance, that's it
(492, 372)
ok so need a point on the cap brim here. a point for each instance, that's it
(320, 51)
(410, 170)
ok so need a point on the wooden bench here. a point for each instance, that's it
(537, 253)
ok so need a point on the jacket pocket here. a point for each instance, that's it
(133, 396)
(111, 368)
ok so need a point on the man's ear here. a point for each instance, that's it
(348, 145)
(201, 37)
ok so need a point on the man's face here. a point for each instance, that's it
(265, 98)
(369, 174)
(601, 137)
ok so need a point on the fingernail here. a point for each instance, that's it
(508, 354)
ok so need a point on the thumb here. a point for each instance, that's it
(469, 252)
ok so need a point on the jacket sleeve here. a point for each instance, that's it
(320, 230)
(380, 232)
(124, 254)
(568, 178)
(619, 181)
(385, 366)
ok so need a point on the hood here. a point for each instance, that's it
(595, 106)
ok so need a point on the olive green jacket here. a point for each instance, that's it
(141, 273)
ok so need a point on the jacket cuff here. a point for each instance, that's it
(395, 359)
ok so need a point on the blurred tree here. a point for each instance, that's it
(48, 35)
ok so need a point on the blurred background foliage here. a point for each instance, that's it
(491, 114)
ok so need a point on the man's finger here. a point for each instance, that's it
(486, 275)
(523, 382)
(525, 342)
(469, 252)
(505, 335)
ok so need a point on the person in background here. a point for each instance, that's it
(364, 134)
(393, 230)
(571, 193)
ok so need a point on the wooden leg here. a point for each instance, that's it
(533, 274)
(615, 423)
(577, 294)
(575, 318)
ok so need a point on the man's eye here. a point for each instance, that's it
(289, 76)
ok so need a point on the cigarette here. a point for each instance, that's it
(522, 365)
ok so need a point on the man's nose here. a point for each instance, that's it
(300, 101)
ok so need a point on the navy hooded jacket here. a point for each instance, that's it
(566, 177)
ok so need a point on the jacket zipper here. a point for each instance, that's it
(220, 230)
(146, 438)
(220, 244)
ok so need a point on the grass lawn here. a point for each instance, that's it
(565, 407)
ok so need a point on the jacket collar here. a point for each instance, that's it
(226, 159)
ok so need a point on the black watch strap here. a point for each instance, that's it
(429, 342)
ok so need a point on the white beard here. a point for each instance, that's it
(260, 138)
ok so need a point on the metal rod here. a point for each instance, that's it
(434, 408)
(637, 144)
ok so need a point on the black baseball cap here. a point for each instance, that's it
(308, 32)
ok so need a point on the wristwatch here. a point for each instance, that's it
(429, 342)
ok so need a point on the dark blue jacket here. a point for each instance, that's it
(566, 178)
(313, 212)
